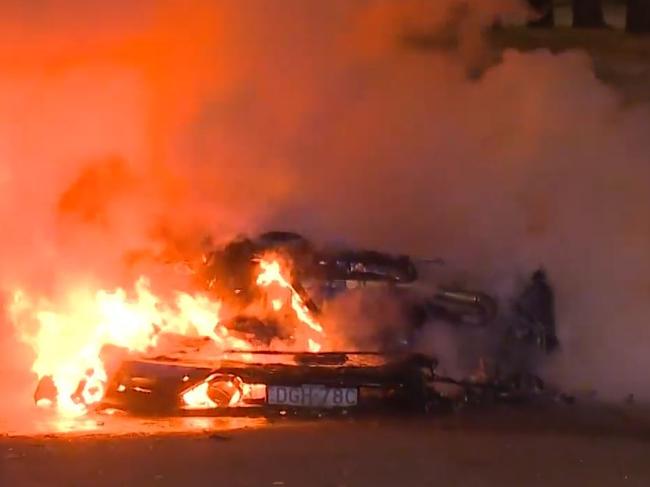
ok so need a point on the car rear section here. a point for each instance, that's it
(272, 382)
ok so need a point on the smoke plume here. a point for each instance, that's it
(131, 131)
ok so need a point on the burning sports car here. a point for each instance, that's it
(330, 270)
(277, 382)
(256, 341)
(250, 383)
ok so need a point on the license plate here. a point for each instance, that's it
(309, 395)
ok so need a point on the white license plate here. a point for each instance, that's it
(309, 395)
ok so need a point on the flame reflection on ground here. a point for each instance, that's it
(119, 425)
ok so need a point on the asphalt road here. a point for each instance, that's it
(561, 445)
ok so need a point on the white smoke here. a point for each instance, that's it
(337, 118)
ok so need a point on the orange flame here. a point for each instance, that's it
(68, 336)
(271, 272)
(198, 398)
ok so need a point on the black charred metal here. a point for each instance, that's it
(535, 309)
(463, 306)
(391, 382)
(233, 269)
(395, 376)
(383, 380)
(233, 265)
(365, 265)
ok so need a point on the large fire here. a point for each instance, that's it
(68, 336)
(271, 272)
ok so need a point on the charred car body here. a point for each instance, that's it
(273, 382)
(280, 383)
(330, 270)
(194, 380)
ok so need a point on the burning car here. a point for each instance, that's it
(255, 341)
(268, 382)
(330, 270)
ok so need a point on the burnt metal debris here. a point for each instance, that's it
(393, 377)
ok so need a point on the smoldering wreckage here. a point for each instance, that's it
(271, 354)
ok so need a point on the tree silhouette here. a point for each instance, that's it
(638, 16)
(589, 14)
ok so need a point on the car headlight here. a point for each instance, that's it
(216, 391)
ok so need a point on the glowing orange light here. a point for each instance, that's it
(197, 397)
(68, 335)
(272, 272)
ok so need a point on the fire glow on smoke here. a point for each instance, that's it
(170, 119)
(68, 337)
